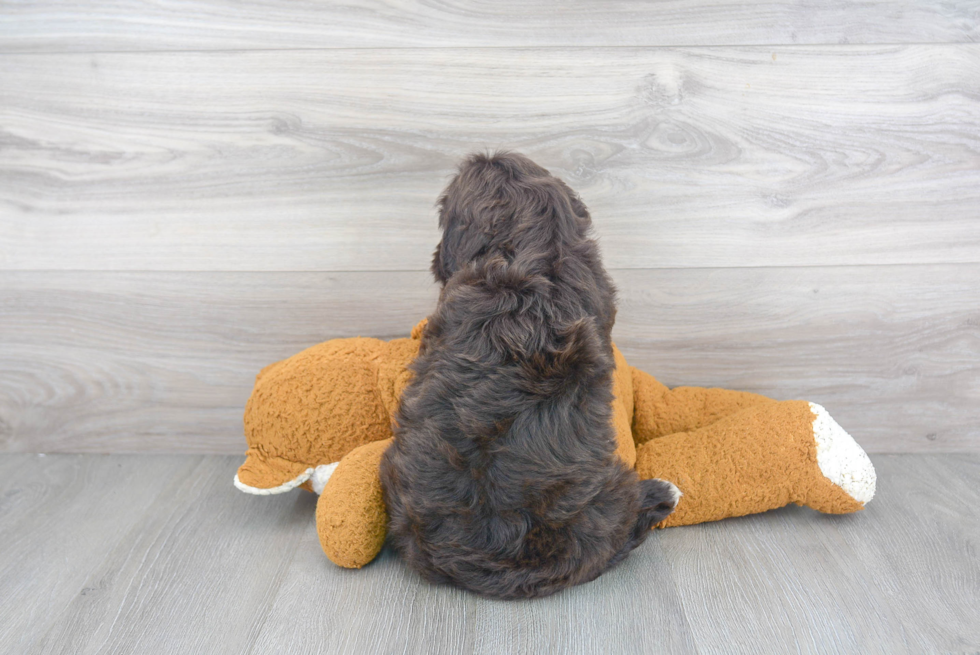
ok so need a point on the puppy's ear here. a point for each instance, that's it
(449, 254)
(464, 237)
(441, 268)
(469, 211)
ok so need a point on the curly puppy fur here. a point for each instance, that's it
(503, 477)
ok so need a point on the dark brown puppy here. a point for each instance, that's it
(502, 478)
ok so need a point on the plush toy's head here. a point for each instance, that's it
(309, 411)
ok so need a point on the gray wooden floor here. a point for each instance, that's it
(160, 554)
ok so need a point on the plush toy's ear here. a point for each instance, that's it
(419, 329)
(266, 476)
(350, 516)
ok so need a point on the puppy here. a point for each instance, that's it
(502, 478)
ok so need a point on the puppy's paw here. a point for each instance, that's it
(658, 499)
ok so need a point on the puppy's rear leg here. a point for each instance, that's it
(658, 498)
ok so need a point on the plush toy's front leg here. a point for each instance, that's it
(309, 411)
(351, 520)
(739, 454)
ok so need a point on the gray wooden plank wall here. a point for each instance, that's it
(788, 196)
(130, 25)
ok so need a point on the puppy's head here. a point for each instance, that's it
(503, 203)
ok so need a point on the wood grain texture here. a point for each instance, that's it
(60, 25)
(332, 160)
(890, 351)
(196, 575)
(865, 582)
(164, 362)
(192, 565)
(935, 612)
(387, 608)
(59, 517)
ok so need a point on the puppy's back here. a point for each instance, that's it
(502, 477)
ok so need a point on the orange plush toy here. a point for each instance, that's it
(321, 420)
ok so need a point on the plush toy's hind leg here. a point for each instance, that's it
(760, 458)
(659, 411)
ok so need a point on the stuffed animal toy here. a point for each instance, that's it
(321, 420)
